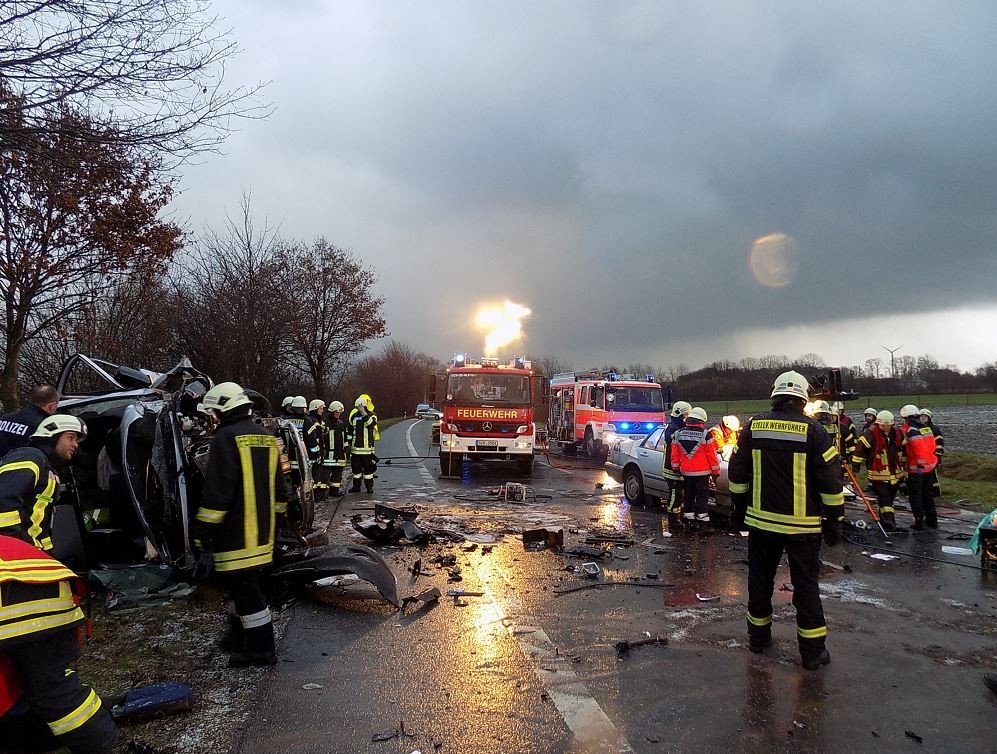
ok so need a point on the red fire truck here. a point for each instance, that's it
(594, 409)
(487, 412)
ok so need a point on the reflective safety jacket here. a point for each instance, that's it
(849, 436)
(675, 423)
(313, 433)
(693, 451)
(243, 486)
(337, 442)
(38, 594)
(28, 489)
(722, 436)
(883, 453)
(786, 474)
(363, 428)
(919, 446)
(353, 416)
(939, 439)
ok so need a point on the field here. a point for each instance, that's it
(853, 408)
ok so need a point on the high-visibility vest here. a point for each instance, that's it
(883, 454)
(919, 445)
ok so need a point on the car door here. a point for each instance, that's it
(650, 458)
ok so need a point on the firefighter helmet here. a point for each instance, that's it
(870, 412)
(299, 402)
(698, 413)
(287, 401)
(792, 384)
(315, 404)
(926, 412)
(680, 407)
(367, 401)
(909, 410)
(732, 423)
(336, 406)
(55, 425)
(820, 407)
(225, 397)
(885, 418)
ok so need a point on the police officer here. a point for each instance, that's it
(314, 435)
(16, 427)
(337, 446)
(29, 484)
(919, 449)
(785, 485)
(881, 447)
(676, 491)
(363, 430)
(236, 522)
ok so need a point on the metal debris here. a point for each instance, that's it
(707, 597)
(624, 647)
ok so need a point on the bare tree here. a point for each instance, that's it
(548, 366)
(396, 379)
(153, 70)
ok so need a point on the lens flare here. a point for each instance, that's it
(501, 325)
(774, 260)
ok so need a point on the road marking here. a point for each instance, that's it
(588, 723)
(427, 477)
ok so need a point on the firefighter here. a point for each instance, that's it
(298, 410)
(337, 446)
(43, 704)
(846, 430)
(919, 449)
(236, 522)
(285, 407)
(16, 427)
(869, 415)
(314, 435)
(926, 420)
(724, 436)
(363, 429)
(785, 485)
(881, 447)
(694, 456)
(29, 484)
(676, 491)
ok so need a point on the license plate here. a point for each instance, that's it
(487, 443)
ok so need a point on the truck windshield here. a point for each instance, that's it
(488, 389)
(634, 399)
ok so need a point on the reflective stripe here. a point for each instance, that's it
(20, 465)
(886, 509)
(10, 518)
(42, 501)
(799, 486)
(785, 518)
(210, 516)
(754, 523)
(250, 526)
(767, 621)
(812, 633)
(255, 620)
(830, 454)
(51, 605)
(77, 717)
(738, 487)
(41, 623)
(281, 507)
(756, 475)
(832, 499)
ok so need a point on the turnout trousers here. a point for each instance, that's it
(803, 551)
(922, 500)
(697, 493)
(676, 495)
(56, 708)
(885, 493)
(252, 626)
(363, 466)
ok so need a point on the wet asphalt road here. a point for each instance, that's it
(523, 669)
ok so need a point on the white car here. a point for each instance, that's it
(425, 411)
(639, 466)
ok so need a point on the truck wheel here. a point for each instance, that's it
(526, 466)
(633, 487)
(594, 448)
(447, 463)
(570, 449)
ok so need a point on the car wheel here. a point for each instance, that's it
(633, 487)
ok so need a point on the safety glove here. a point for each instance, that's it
(831, 531)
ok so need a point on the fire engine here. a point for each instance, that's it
(487, 412)
(594, 409)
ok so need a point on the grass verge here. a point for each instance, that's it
(969, 478)
(857, 406)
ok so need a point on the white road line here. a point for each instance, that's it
(427, 477)
(588, 723)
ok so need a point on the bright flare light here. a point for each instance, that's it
(502, 325)
(774, 260)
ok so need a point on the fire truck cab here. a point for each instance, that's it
(593, 409)
(487, 412)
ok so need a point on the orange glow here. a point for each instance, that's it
(501, 324)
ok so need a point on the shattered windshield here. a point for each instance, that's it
(635, 399)
(488, 389)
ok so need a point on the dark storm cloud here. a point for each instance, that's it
(631, 152)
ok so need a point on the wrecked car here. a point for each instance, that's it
(136, 480)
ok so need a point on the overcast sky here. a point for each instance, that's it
(658, 181)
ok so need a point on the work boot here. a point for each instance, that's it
(355, 487)
(918, 523)
(759, 644)
(990, 681)
(234, 639)
(814, 663)
(370, 489)
(889, 521)
(246, 659)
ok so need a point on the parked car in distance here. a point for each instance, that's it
(639, 465)
(425, 411)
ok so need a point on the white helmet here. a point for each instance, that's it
(791, 383)
(837, 407)
(316, 404)
(299, 402)
(224, 397)
(870, 412)
(336, 406)
(287, 401)
(820, 407)
(360, 402)
(732, 423)
(680, 407)
(926, 412)
(55, 425)
(885, 418)
(909, 410)
(698, 413)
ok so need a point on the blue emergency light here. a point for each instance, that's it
(625, 425)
